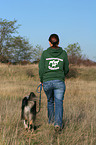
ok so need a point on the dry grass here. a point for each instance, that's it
(79, 108)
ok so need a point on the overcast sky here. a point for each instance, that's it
(73, 20)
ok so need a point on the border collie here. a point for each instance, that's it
(28, 111)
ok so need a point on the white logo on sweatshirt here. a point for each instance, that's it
(53, 63)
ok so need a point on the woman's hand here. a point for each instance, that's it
(41, 83)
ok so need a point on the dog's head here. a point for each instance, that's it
(32, 97)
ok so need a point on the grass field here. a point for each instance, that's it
(79, 108)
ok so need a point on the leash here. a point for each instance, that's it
(40, 86)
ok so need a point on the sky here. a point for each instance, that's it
(73, 20)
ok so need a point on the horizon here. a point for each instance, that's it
(74, 21)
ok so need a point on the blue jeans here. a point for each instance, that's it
(54, 91)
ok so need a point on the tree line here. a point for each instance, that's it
(16, 49)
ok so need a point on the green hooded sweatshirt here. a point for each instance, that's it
(53, 65)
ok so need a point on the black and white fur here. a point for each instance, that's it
(28, 111)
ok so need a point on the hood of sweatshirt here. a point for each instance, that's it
(55, 52)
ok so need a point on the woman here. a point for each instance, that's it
(53, 67)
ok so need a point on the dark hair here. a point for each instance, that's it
(54, 39)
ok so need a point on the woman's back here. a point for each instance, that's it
(53, 64)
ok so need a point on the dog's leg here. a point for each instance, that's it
(32, 117)
(31, 125)
(31, 122)
(26, 124)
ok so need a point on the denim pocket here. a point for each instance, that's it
(47, 86)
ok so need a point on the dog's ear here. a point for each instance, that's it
(24, 102)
